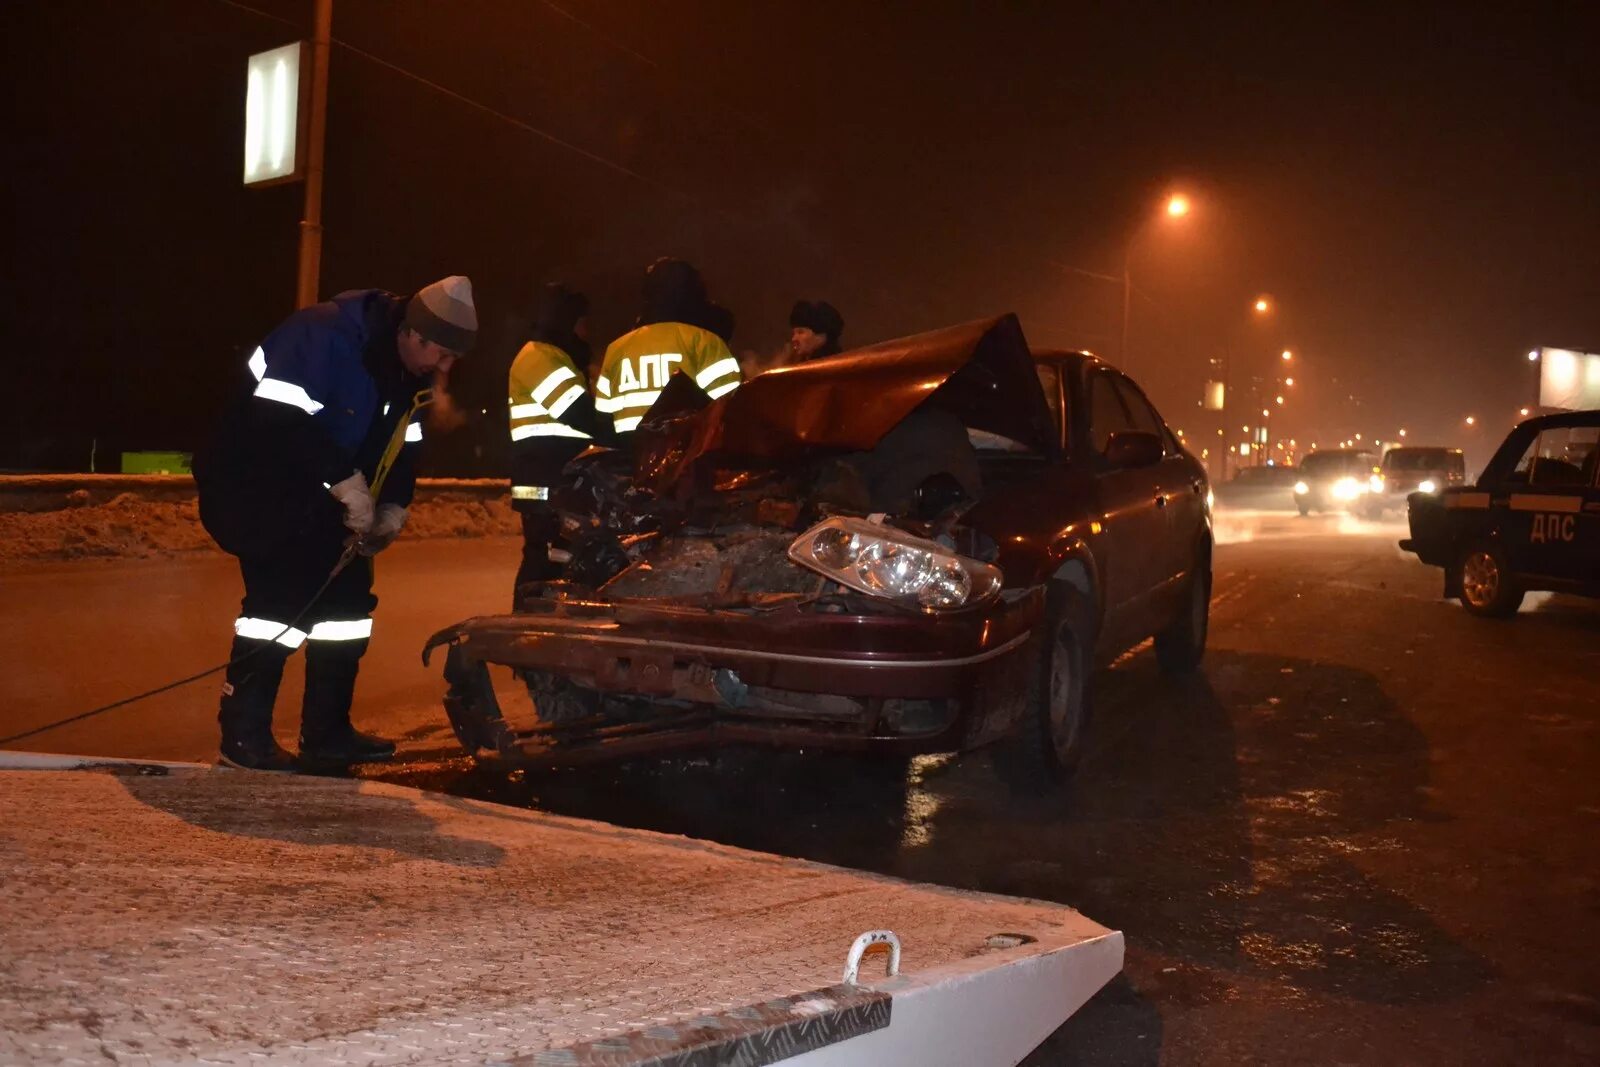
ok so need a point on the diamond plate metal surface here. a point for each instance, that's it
(233, 918)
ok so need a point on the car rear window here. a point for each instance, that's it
(1422, 459)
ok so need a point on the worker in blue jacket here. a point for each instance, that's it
(285, 487)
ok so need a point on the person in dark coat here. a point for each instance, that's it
(286, 486)
(815, 327)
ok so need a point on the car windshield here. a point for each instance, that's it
(1323, 464)
(1422, 459)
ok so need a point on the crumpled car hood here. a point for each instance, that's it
(982, 371)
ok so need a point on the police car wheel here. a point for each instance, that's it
(1488, 587)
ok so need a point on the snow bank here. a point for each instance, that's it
(84, 517)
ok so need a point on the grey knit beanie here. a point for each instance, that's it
(444, 314)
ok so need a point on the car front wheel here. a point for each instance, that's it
(1488, 587)
(1064, 688)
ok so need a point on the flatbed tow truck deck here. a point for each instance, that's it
(157, 913)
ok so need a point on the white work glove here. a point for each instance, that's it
(357, 500)
(385, 528)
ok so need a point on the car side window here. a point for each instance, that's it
(1145, 417)
(1563, 456)
(1106, 413)
(1050, 380)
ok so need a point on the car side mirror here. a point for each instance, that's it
(1128, 449)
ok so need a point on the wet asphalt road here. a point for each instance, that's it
(1366, 833)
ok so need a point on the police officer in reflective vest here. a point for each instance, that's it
(638, 364)
(284, 486)
(552, 420)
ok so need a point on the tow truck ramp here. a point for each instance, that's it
(169, 913)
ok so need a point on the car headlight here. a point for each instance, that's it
(1301, 489)
(885, 562)
(1427, 486)
(1375, 483)
(1346, 489)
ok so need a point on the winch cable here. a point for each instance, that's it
(380, 475)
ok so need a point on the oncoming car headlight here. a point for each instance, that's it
(1427, 486)
(1347, 489)
(885, 562)
(1301, 489)
(1375, 483)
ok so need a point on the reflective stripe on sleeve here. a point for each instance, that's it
(285, 393)
(722, 390)
(258, 363)
(720, 369)
(342, 630)
(530, 492)
(267, 630)
(603, 384)
(542, 391)
(414, 433)
(528, 411)
(545, 429)
(565, 401)
(627, 424)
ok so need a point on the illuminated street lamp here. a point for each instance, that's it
(1471, 421)
(1402, 432)
(1177, 207)
(1288, 381)
(1280, 399)
(1287, 355)
(1262, 305)
(1533, 355)
(1524, 412)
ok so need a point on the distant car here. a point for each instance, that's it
(1531, 522)
(1336, 478)
(1412, 469)
(919, 546)
(1259, 488)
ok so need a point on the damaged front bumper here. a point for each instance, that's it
(652, 676)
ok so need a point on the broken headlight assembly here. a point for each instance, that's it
(882, 561)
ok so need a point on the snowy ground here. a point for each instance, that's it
(68, 517)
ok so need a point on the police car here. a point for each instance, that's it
(1532, 521)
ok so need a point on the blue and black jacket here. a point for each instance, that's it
(324, 394)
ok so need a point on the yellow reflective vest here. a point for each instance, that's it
(637, 365)
(544, 386)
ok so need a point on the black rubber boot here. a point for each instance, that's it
(245, 714)
(326, 736)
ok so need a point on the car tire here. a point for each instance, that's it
(1304, 510)
(1488, 587)
(1181, 646)
(1064, 666)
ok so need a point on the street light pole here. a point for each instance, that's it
(310, 271)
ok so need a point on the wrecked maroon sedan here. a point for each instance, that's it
(919, 546)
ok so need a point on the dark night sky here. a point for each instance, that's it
(1417, 187)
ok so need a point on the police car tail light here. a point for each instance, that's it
(1427, 486)
(885, 562)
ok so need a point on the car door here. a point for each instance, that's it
(1179, 494)
(1552, 529)
(1134, 528)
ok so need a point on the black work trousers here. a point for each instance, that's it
(335, 631)
(541, 526)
